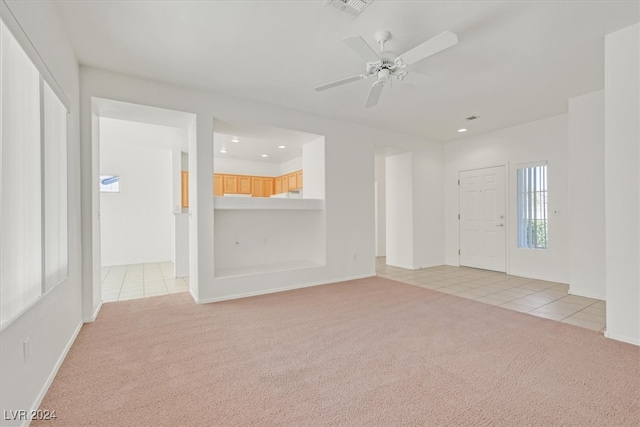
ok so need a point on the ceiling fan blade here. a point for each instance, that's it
(359, 46)
(417, 79)
(340, 82)
(374, 94)
(432, 46)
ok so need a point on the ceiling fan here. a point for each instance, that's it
(387, 65)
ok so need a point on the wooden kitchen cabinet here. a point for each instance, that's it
(261, 186)
(299, 179)
(185, 189)
(257, 187)
(267, 187)
(292, 181)
(244, 184)
(218, 186)
(277, 185)
(230, 184)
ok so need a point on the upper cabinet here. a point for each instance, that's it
(277, 185)
(185, 188)
(244, 184)
(256, 186)
(292, 181)
(299, 178)
(230, 184)
(218, 185)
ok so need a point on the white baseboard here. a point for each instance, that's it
(94, 316)
(406, 267)
(586, 294)
(427, 266)
(617, 337)
(53, 374)
(274, 290)
(195, 299)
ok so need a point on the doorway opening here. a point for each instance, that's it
(143, 227)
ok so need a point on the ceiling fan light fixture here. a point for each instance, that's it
(383, 75)
(462, 130)
(352, 7)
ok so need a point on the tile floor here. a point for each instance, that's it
(123, 282)
(537, 297)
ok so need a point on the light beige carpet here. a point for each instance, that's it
(363, 352)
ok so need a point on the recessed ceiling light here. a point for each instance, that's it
(223, 150)
(282, 146)
(235, 139)
(462, 130)
(265, 155)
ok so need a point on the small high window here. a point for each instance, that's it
(532, 206)
(109, 183)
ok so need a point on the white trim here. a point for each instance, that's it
(622, 338)
(531, 164)
(195, 299)
(472, 168)
(400, 266)
(94, 316)
(427, 266)
(587, 294)
(286, 288)
(29, 306)
(53, 374)
(18, 32)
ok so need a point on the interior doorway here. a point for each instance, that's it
(143, 229)
(482, 220)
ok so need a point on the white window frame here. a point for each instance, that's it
(532, 204)
(60, 234)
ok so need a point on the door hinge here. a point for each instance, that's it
(458, 216)
(458, 182)
(458, 251)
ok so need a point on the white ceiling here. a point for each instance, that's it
(124, 120)
(254, 141)
(516, 61)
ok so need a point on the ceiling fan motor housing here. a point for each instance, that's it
(374, 68)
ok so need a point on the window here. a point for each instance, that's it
(532, 206)
(33, 182)
(109, 183)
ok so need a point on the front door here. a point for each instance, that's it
(482, 218)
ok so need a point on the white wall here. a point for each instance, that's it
(245, 167)
(381, 205)
(53, 321)
(348, 162)
(136, 223)
(586, 196)
(399, 207)
(313, 165)
(622, 174)
(414, 211)
(428, 211)
(292, 165)
(254, 238)
(545, 139)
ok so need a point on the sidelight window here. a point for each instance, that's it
(532, 206)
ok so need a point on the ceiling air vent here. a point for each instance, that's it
(472, 117)
(352, 7)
